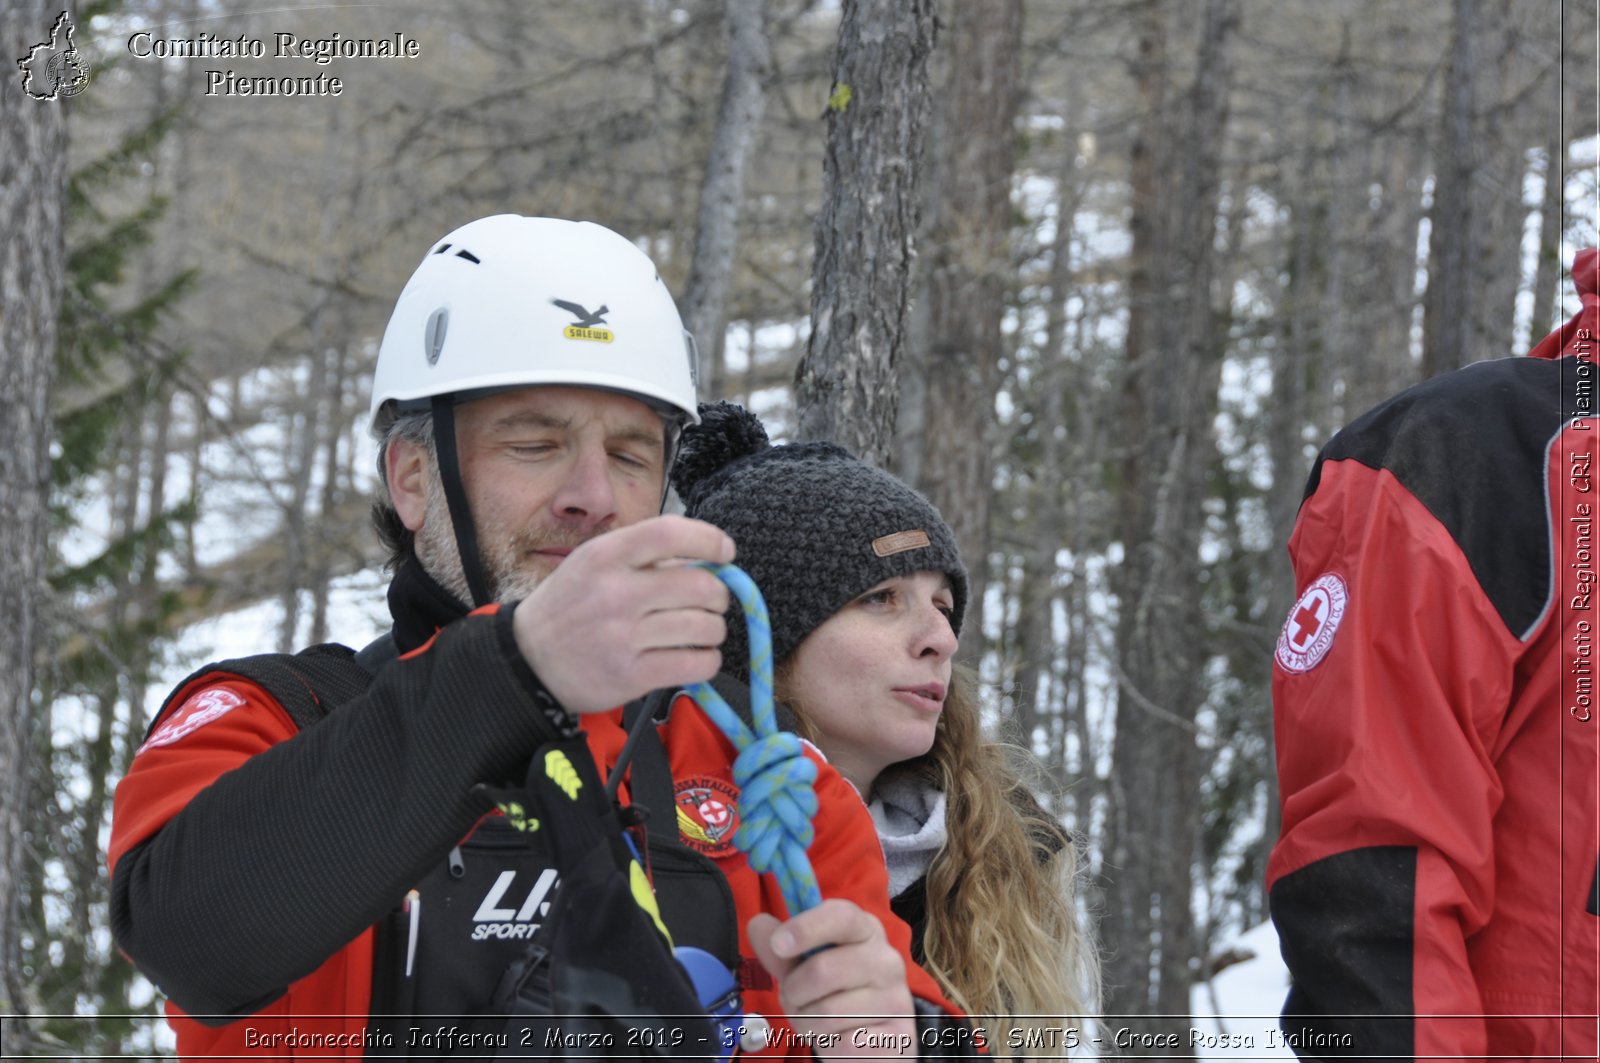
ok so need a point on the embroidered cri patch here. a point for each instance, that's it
(1308, 632)
(207, 706)
(708, 814)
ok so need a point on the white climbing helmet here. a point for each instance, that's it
(508, 301)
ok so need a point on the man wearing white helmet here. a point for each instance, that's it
(289, 874)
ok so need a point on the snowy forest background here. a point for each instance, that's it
(1098, 277)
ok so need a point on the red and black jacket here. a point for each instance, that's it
(1434, 884)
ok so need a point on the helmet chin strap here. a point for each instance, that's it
(455, 496)
(669, 452)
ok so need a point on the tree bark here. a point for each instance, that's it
(1453, 242)
(1548, 274)
(911, 373)
(1174, 362)
(33, 152)
(335, 479)
(969, 270)
(1385, 365)
(1128, 927)
(1052, 479)
(744, 101)
(866, 230)
(1503, 132)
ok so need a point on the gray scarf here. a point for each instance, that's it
(909, 815)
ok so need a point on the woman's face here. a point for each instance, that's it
(872, 678)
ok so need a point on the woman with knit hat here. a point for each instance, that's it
(867, 593)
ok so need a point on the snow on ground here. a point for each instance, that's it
(1238, 1010)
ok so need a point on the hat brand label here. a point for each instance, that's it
(899, 542)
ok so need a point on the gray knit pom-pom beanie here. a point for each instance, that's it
(815, 526)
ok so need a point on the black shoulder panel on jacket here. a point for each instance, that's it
(308, 685)
(1472, 446)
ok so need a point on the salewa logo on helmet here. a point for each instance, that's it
(584, 327)
(55, 68)
(518, 923)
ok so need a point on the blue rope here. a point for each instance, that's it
(775, 777)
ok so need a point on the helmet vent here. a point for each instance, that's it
(433, 334)
(442, 249)
(694, 358)
(468, 255)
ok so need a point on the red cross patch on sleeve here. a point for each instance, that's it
(1312, 622)
(199, 709)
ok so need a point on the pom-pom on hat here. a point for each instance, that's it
(815, 526)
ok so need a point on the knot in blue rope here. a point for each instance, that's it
(776, 803)
(777, 799)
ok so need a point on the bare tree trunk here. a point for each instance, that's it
(1385, 364)
(1343, 197)
(1051, 480)
(1174, 372)
(1548, 274)
(189, 549)
(1128, 929)
(744, 101)
(866, 230)
(969, 269)
(149, 585)
(33, 174)
(1502, 134)
(306, 419)
(1307, 363)
(305, 430)
(319, 419)
(1086, 531)
(1453, 243)
(911, 374)
(335, 474)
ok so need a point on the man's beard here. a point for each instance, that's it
(506, 566)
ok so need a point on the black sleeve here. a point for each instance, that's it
(282, 861)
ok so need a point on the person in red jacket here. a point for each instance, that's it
(1435, 885)
(306, 853)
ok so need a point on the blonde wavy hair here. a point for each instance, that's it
(1003, 936)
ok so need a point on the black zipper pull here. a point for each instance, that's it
(458, 866)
